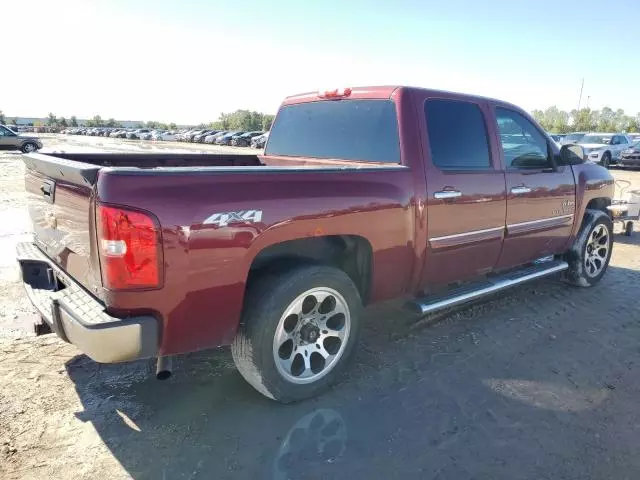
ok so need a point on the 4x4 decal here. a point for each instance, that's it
(243, 216)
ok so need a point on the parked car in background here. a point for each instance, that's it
(244, 140)
(226, 139)
(630, 157)
(191, 135)
(147, 136)
(215, 136)
(260, 140)
(199, 138)
(10, 140)
(184, 135)
(604, 148)
(122, 133)
(136, 134)
(164, 136)
(572, 137)
(634, 137)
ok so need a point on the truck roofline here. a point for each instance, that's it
(388, 91)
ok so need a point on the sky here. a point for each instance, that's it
(186, 61)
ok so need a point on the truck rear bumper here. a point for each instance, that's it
(78, 317)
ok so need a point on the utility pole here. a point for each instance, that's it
(580, 97)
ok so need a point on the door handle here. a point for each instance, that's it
(521, 190)
(445, 194)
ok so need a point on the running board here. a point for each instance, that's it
(477, 290)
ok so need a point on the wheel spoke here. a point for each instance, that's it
(282, 336)
(307, 363)
(334, 320)
(322, 351)
(286, 363)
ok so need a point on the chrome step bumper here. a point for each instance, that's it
(78, 317)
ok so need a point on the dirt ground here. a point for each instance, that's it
(541, 382)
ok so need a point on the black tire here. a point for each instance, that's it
(29, 147)
(606, 160)
(265, 303)
(628, 230)
(577, 273)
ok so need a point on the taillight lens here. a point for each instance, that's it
(129, 248)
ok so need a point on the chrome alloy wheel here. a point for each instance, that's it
(311, 335)
(597, 250)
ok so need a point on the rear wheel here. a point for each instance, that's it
(590, 255)
(299, 330)
(606, 160)
(29, 147)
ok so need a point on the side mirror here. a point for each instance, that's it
(572, 154)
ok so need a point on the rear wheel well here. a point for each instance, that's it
(350, 253)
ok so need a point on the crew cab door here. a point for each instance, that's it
(540, 194)
(466, 198)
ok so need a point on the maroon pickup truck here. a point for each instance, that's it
(362, 195)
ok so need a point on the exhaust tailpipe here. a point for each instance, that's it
(164, 367)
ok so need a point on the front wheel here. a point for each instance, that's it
(590, 255)
(606, 160)
(298, 331)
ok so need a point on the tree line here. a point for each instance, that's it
(555, 120)
(246, 120)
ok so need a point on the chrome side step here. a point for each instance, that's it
(471, 292)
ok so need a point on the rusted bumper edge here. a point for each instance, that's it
(78, 317)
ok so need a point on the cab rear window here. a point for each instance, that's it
(358, 130)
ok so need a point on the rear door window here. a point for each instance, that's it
(457, 135)
(358, 130)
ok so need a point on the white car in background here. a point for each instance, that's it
(604, 148)
(164, 136)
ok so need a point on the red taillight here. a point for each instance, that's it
(128, 242)
(335, 93)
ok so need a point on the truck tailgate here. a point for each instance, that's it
(59, 198)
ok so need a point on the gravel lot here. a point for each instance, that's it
(540, 382)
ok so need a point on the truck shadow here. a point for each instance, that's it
(524, 385)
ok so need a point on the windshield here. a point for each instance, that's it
(573, 137)
(364, 130)
(600, 139)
